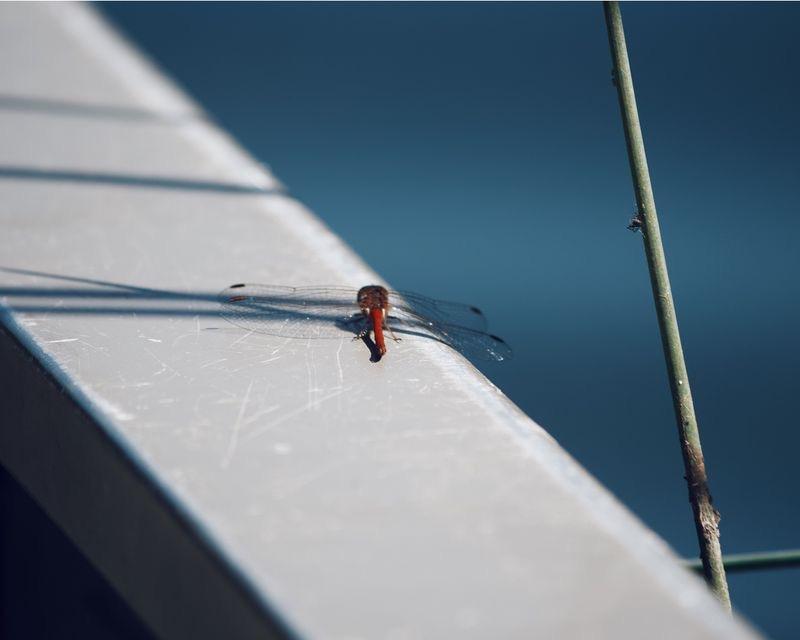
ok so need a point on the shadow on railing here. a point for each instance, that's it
(69, 108)
(46, 106)
(130, 180)
(105, 298)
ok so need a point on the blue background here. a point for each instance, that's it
(474, 152)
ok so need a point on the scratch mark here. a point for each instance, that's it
(238, 340)
(164, 365)
(149, 339)
(310, 478)
(95, 347)
(311, 372)
(425, 434)
(339, 362)
(226, 460)
(283, 343)
(64, 340)
(213, 362)
(261, 413)
(288, 416)
(182, 336)
(249, 357)
(230, 396)
(191, 334)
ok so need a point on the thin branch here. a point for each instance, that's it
(786, 559)
(706, 517)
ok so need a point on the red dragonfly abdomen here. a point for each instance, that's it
(376, 316)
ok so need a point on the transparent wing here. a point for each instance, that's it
(479, 344)
(293, 312)
(454, 313)
(470, 342)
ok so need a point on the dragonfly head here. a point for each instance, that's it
(373, 296)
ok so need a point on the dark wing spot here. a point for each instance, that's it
(238, 298)
(236, 286)
(476, 310)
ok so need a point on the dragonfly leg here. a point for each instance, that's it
(363, 333)
(355, 318)
(389, 329)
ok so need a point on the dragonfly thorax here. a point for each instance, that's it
(371, 297)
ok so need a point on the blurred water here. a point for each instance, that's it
(475, 153)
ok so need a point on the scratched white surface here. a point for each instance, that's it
(400, 499)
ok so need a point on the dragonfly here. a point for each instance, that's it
(334, 312)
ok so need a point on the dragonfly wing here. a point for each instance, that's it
(440, 311)
(478, 344)
(292, 312)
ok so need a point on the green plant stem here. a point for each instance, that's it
(754, 561)
(705, 516)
